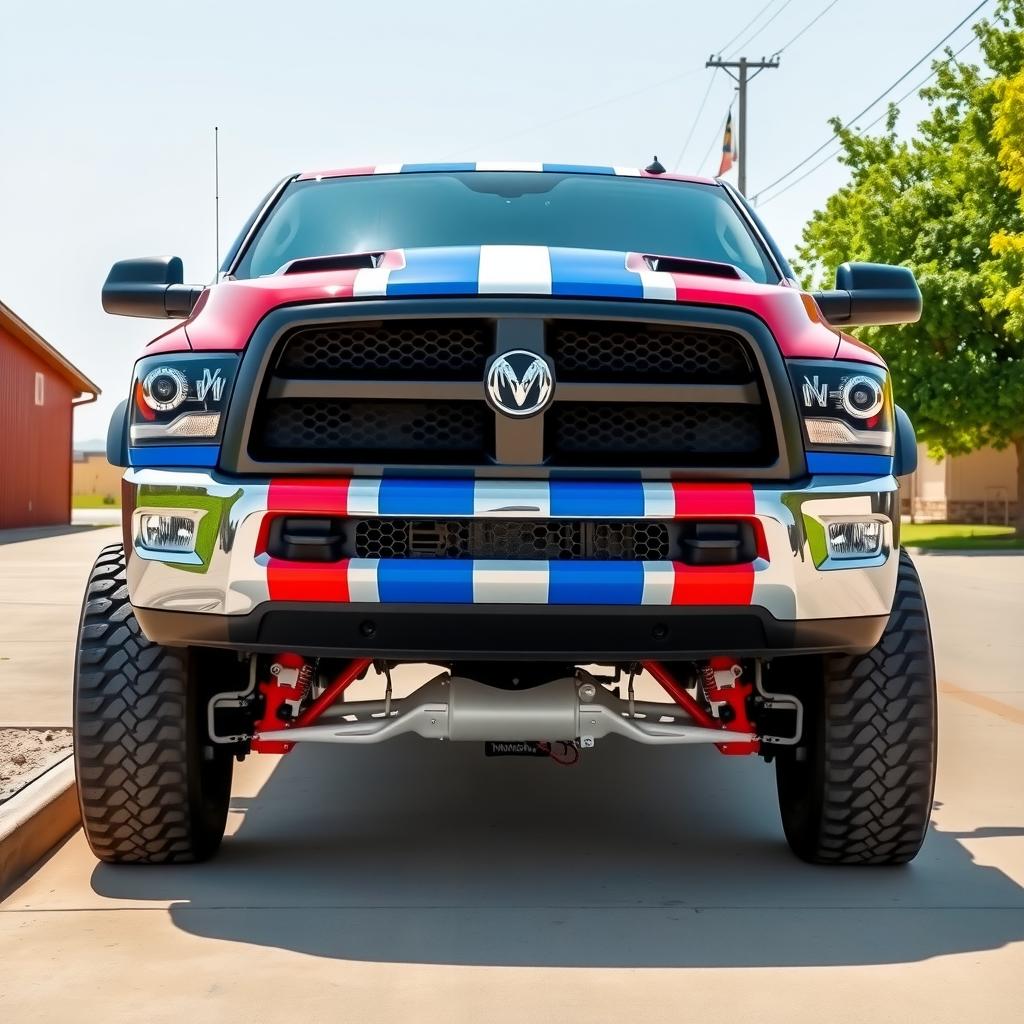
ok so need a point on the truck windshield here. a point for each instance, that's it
(371, 213)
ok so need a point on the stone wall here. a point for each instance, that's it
(941, 510)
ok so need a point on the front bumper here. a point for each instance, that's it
(791, 598)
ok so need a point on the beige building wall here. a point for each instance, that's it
(92, 474)
(976, 488)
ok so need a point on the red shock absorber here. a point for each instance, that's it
(291, 676)
(726, 693)
(283, 693)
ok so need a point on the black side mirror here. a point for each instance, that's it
(868, 294)
(149, 286)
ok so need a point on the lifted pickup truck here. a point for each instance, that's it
(545, 428)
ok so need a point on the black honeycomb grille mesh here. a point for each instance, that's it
(638, 353)
(334, 430)
(514, 539)
(415, 349)
(659, 434)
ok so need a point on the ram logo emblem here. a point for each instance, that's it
(520, 383)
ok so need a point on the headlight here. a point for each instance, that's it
(164, 388)
(180, 399)
(844, 406)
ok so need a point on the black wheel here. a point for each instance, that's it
(151, 787)
(859, 789)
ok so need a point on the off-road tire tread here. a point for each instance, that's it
(132, 749)
(879, 743)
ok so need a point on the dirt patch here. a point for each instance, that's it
(26, 753)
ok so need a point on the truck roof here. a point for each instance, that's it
(498, 165)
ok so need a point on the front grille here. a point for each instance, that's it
(321, 430)
(515, 539)
(659, 434)
(413, 349)
(411, 392)
(592, 351)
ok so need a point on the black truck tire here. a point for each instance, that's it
(151, 786)
(859, 789)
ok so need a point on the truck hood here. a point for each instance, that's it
(228, 312)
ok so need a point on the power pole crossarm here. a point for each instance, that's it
(740, 72)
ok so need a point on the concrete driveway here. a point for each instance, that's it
(42, 579)
(423, 882)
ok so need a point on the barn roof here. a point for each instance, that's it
(34, 342)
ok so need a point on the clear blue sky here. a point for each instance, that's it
(107, 114)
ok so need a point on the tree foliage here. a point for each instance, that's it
(948, 203)
(1007, 279)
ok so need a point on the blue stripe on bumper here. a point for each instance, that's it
(439, 581)
(595, 583)
(420, 497)
(585, 499)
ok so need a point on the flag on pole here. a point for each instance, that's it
(728, 148)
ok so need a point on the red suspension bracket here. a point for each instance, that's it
(290, 678)
(721, 680)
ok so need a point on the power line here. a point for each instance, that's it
(757, 32)
(696, 120)
(821, 163)
(814, 21)
(906, 74)
(643, 90)
(721, 49)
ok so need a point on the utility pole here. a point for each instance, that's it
(742, 76)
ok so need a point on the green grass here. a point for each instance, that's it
(94, 501)
(959, 537)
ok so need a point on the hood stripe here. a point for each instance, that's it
(519, 269)
(447, 271)
(515, 270)
(594, 272)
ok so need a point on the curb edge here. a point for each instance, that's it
(35, 820)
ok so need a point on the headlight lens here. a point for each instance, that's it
(180, 399)
(844, 406)
(164, 388)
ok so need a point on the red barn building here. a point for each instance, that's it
(39, 389)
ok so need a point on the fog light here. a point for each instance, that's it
(161, 531)
(856, 539)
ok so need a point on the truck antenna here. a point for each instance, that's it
(216, 201)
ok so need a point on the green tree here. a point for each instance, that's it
(1007, 283)
(946, 203)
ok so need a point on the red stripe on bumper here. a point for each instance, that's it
(710, 585)
(713, 499)
(307, 581)
(309, 497)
